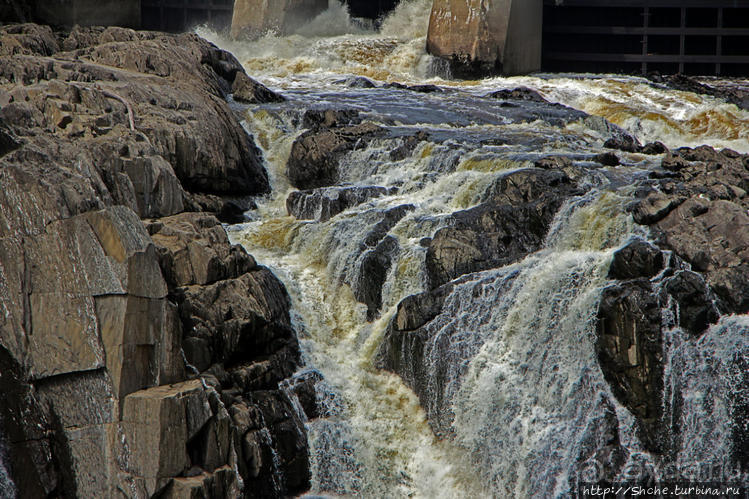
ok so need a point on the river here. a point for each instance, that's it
(523, 395)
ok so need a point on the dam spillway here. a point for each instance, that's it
(180, 15)
(641, 36)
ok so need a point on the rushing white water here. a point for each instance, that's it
(707, 398)
(517, 392)
(7, 487)
(333, 47)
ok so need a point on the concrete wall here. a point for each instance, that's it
(253, 18)
(523, 46)
(482, 37)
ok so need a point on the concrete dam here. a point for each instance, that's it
(478, 37)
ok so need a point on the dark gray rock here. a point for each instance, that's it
(314, 157)
(510, 224)
(324, 203)
(357, 82)
(696, 310)
(378, 252)
(373, 271)
(241, 318)
(519, 93)
(330, 118)
(626, 143)
(290, 440)
(652, 148)
(390, 217)
(407, 146)
(607, 159)
(636, 259)
(654, 207)
(246, 90)
(629, 349)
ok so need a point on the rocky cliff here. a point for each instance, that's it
(140, 352)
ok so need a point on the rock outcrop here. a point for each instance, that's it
(699, 210)
(511, 223)
(324, 203)
(315, 154)
(136, 358)
(696, 208)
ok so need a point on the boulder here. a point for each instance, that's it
(626, 143)
(519, 93)
(314, 157)
(652, 148)
(713, 236)
(511, 223)
(357, 82)
(696, 308)
(637, 259)
(654, 207)
(325, 203)
(195, 250)
(246, 90)
(314, 118)
(158, 423)
(241, 318)
(607, 159)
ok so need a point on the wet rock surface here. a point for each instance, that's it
(691, 273)
(700, 212)
(139, 350)
(315, 154)
(324, 203)
(731, 93)
(510, 224)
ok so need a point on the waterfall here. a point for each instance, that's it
(516, 403)
(707, 399)
(7, 487)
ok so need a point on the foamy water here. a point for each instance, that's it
(332, 47)
(525, 399)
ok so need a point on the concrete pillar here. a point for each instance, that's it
(88, 12)
(253, 18)
(484, 37)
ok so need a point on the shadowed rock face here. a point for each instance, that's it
(135, 356)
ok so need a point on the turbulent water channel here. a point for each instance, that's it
(521, 393)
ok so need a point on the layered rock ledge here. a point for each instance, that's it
(140, 352)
